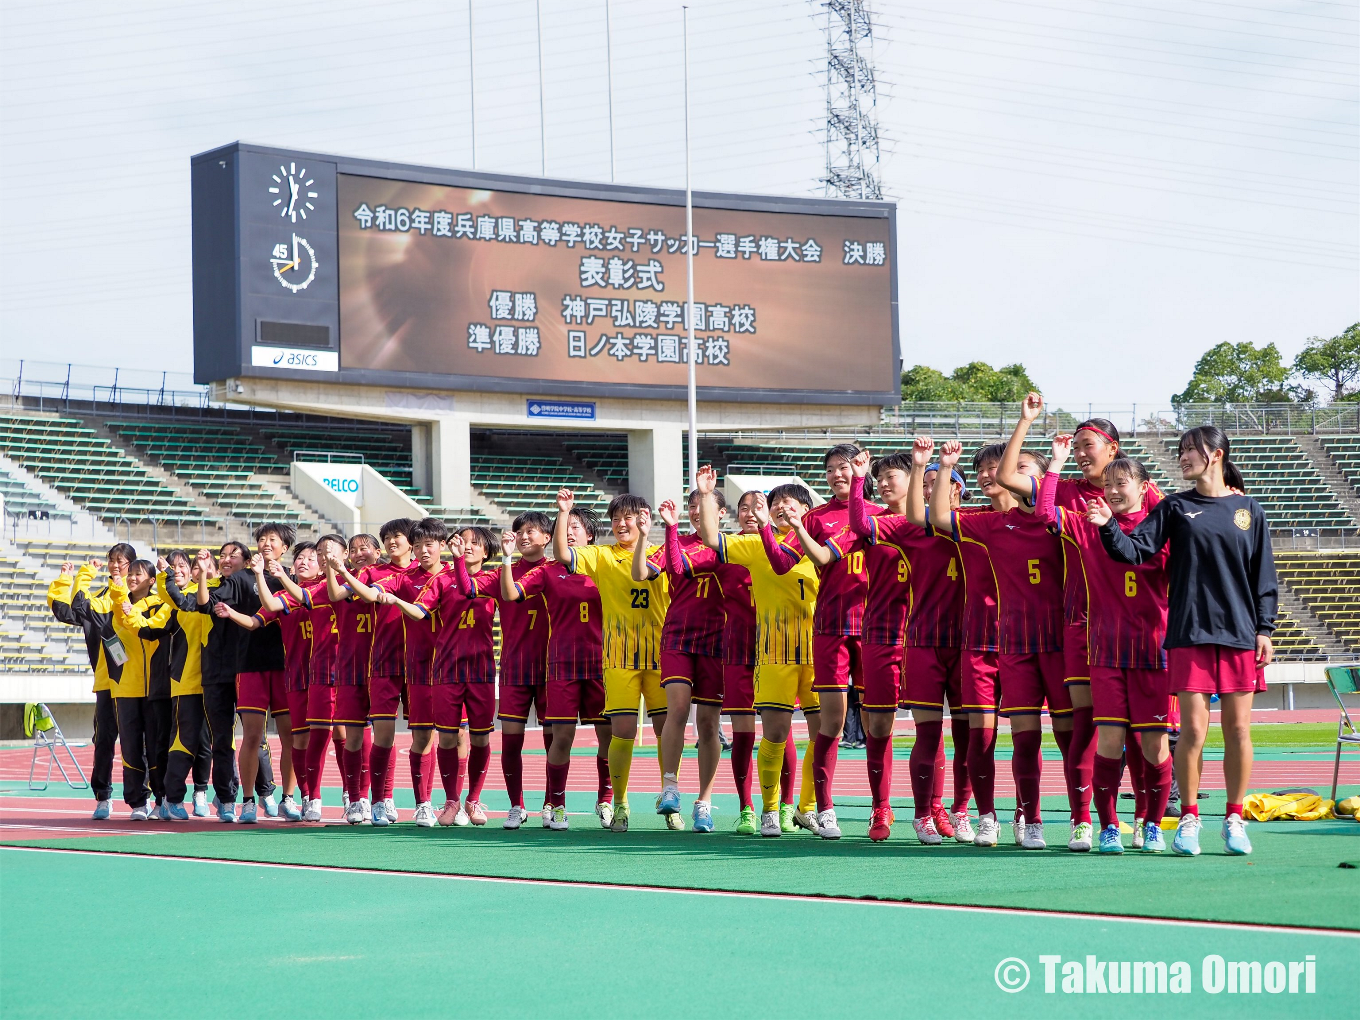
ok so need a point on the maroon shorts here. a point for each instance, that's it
(1213, 669)
(297, 710)
(881, 684)
(384, 696)
(1029, 681)
(261, 692)
(978, 673)
(835, 660)
(1136, 698)
(932, 676)
(453, 701)
(703, 674)
(351, 705)
(321, 706)
(1075, 667)
(739, 689)
(569, 700)
(419, 707)
(517, 699)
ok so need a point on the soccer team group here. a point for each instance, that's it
(1115, 609)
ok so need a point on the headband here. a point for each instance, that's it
(954, 476)
(1100, 432)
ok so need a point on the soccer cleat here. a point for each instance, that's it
(1034, 836)
(805, 819)
(620, 820)
(1153, 841)
(177, 812)
(769, 822)
(1080, 841)
(313, 812)
(226, 813)
(940, 817)
(1235, 839)
(200, 804)
(289, 809)
(703, 816)
(604, 811)
(449, 812)
(786, 819)
(559, 819)
(546, 815)
(354, 813)
(668, 802)
(988, 829)
(476, 812)
(1018, 828)
(514, 818)
(826, 824)
(1110, 840)
(926, 831)
(380, 814)
(675, 822)
(880, 824)
(271, 806)
(249, 813)
(746, 823)
(1138, 833)
(1187, 836)
(139, 813)
(390, 809)
(365, 810)
(461, 818)
(425, 817)
(963, 827)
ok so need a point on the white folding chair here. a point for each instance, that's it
(47, 737)
(1343, 680)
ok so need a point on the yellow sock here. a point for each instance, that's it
(769, 764)
(620, 764)
(807, 795)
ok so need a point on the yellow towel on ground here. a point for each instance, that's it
(1349, 806)
(1299, 807)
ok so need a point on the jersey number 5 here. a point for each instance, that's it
(1034, 572)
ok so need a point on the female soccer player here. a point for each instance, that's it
(1221, 614)
(133, 597)
(1127, 624)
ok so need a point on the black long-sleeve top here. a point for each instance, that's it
(1222, 587)
(232, 649)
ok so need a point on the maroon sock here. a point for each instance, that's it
(878, 753)
(1159, 789)
(381, 765)
(365, 764)
(604, 786)
(941, 767)
(304, 779)
(922, 764)
(449, 763)
(317, 744)
(557, 783)
(353, 774)
(1080, 763)
(1105, 779)
(1138, 775)
(1026, 767)
(1189, 809)
(743, 743)
(389, 774)
(478, 760)
(823, 769)
(982, 767)
(422, 775)
(789, 771)
(460, 777)
(1231, 809)
(963, 785)
(512, 766)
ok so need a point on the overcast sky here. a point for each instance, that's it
(1100, 190)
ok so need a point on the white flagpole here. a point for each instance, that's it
(689, 268)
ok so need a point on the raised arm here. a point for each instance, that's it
(642, 568)
(706, 479)
(1008, 472)
(566, 499)
(333, 564)
(941, 510)
(1143, 543)
(675, 557)
(271, 601)
(922, 450)
(859, 509)
(1045, 509)
(366, 592)
(819, 554)
(509, 593)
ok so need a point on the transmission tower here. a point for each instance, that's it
(851, 102)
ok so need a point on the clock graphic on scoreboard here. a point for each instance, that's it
(291, 188)
(294, 267)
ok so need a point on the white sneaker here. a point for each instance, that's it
(390, 809)
(139, 814)
(200, 804)
(313, 812)
(344, 801)
(547, 816)
(271, 806)
(675, 821)
(604, 811)
(559, 819)
(1081, 837)
(826, 824)
(988, 829)
(769, 823)
(354, 812)
(461, 818)
(805, 819)
(104, 808)
(1018, 829)
(514, 818)
(1034, 836)
(425, 816)
(1138, 833)
(926, 831)
(380, 813)
(365, 809)
(963, 827)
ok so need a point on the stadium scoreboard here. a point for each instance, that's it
(309, 266)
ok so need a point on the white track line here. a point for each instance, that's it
(742, 894)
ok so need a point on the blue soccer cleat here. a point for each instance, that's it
(1235, 839)
(669, 801)
(177, 812)
(1187, 836)
(1110, 841)
(703, 817)
(1153, 840)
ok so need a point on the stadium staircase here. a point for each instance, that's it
(1328, 584)
(1344, 452)
(1337, 460)
(31, 639)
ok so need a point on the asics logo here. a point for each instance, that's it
(1192, 516)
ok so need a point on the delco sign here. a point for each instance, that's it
(345, 481)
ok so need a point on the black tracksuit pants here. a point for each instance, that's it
(132, 726)
(105, 740)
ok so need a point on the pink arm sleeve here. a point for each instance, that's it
(1048, 493)
(675, 561)
(463, 579)
(778, 555)
(859, 513)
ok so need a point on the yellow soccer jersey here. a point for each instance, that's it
(633, 611)
(785, 603)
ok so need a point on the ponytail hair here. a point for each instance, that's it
(848, 452)
(1206, 439)
(1102, 427)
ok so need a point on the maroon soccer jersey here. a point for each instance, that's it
(1127, 624)
(524, 627)
(354, 635)
(933, 576)
(418, 635)
(295, 628)
(843, 587)
(325, 636)
(738, 609)
(979, 592)
(696, 617)
(1027, 561)
(389, 635)
(464, 642)
(576, 640)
